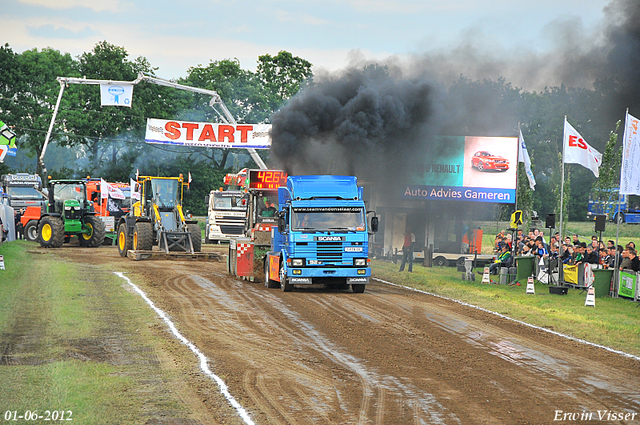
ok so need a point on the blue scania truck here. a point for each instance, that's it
(322, 236)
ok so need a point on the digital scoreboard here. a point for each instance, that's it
(267, 179)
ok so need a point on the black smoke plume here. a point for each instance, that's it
(365, 122)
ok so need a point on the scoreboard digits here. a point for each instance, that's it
(267, 179)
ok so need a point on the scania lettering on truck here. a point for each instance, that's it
(25, 193)
(321, 236)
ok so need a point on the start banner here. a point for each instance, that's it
(208, 135)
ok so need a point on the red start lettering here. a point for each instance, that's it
(244, 131)
(225, 131)
(577, 142)
(190, 127)
(173, 131)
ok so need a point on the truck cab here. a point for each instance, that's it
(226, 215)
(322, 236)
(624, 210)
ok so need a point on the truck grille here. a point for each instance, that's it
(330, 251)
(231, 230)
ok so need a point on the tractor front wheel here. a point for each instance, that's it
(143, 236)
(196, 236)
(96, 231)
(124, 240)
(51, 232)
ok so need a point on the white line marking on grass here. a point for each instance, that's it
(203, 359)
(582, 341)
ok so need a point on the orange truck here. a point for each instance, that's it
(111, 208)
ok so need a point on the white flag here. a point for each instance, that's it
(104, 190)
(577, 151)
(523, 156)
(115, 192)
(134, 193)
(630, 172)
(116, 94)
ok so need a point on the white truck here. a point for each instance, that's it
(226, 215)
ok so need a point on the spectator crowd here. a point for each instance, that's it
(571, 250)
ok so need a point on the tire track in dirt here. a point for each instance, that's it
(387, 356)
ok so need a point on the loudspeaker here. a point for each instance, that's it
(600, 222)
(551, 221)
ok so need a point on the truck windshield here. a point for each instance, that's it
(226, 202)
(23, 192)
(165, 192)
(328, 219)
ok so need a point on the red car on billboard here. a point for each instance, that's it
(483, 160)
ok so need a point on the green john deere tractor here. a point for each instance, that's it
(69, 213)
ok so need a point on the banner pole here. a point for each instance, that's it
(518, 169)
(616, 274)
(562, 191)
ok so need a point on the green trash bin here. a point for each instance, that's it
(525, 268)
(602, 281)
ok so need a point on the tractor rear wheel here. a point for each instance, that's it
(143, 237)
(196, 236)
(51, 232)
(95, 237)
(124, 240)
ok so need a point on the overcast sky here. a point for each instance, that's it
(174, 35)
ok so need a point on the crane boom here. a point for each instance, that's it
(215, 100)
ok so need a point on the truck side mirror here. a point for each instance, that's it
(206, 201)
(374, 224)
(282, 223)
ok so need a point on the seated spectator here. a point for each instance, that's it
(611, 244)
(503, 260)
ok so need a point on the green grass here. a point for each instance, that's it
(613, 322)
(76, 341)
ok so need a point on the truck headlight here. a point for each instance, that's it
(359, 262)
(297, 262)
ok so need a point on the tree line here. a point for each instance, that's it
(109, 142)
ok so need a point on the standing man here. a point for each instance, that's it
(407, 249)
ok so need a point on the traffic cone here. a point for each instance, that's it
(486, 278)
(531, 289)
(590, 301)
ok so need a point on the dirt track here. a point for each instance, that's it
(388, 356)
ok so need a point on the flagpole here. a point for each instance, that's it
(562, 190)
(518, 168)
(616, 274)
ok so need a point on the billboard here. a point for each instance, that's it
(208, 135)
(475, 169)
